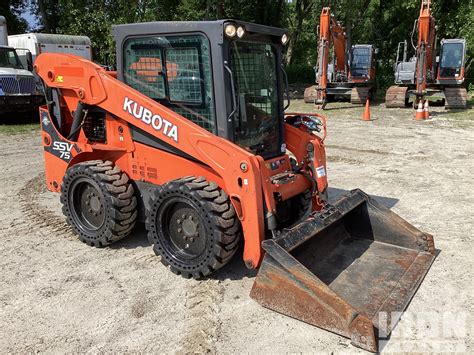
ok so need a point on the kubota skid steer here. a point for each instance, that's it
(190, 135)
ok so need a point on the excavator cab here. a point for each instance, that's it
(451, 61)
(362, 63)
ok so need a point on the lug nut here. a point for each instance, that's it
(179, 230)
(191, 239)
(178, 221)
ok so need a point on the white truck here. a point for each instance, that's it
(19, 91)
(37, 43)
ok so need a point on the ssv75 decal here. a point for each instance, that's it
(64, 149)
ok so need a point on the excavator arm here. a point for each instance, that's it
(330, 32)
(425, 47)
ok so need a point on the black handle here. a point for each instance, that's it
(287, 90)
(232, 86)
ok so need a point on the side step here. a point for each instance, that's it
(344, 267)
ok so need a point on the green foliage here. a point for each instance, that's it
(11, 10)
(300, 73)
(383, 23)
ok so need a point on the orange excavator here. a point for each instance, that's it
(431, 74)
(350, 76)
(190, 136)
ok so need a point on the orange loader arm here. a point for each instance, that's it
(243, 175)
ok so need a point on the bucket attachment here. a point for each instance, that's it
(343, 266)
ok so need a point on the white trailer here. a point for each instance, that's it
(38, 43)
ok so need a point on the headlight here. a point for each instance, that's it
(284, 39)
(230, 30)
(240, 32)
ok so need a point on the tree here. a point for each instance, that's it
(12, 10)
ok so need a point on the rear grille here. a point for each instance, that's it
(20, 85)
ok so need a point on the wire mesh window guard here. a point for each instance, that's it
(175, 71)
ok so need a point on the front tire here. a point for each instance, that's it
(193, 226)
(98, 202)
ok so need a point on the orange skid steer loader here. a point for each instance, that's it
(190, 136)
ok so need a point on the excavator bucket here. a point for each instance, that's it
(345, 269)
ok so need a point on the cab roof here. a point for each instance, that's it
(213, 29)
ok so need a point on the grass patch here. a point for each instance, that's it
(19, 123)
(12, 129)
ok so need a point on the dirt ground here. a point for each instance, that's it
(59, 295)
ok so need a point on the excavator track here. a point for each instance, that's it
(359, 95)
(456, 98)
(396, 96)
(310, 94)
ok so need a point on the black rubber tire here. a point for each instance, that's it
(116, 194)
(221, 226)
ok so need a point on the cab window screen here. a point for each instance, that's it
(255, 71)
(175, 71)
(184, 76)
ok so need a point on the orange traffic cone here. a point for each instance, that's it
(366, 114)
(426, 110)
(419, 116)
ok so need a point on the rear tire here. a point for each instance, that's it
(193, 226)
(98, 202)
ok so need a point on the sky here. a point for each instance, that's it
(31, 19)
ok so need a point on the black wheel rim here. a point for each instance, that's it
(87, 205)
(183, 231)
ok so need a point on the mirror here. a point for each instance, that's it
(29, 61)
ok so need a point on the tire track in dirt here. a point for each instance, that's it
(202, 322)
(49, 222)
(40, 216)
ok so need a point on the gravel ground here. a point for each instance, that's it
(59, 295)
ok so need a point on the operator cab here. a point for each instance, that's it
(361, 61)
(451, 60)
(225, 76)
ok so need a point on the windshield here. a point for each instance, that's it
(255, 73)
(451, 59)
(9, 59)
(360, 61)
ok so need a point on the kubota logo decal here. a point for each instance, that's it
(156, 121)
